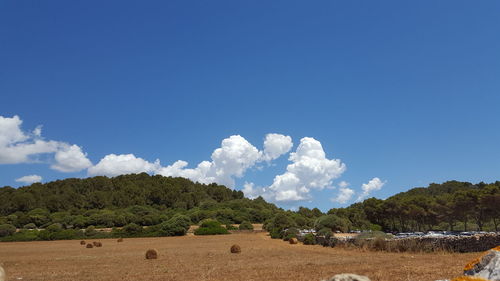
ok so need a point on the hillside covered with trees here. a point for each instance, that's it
(167, 206)
(136, 198)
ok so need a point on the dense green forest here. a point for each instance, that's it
(166, 206)
(137, 198)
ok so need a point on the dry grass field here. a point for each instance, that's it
(208, 258)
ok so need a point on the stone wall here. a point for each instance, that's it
(462, 244)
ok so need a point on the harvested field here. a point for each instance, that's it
(208, 258)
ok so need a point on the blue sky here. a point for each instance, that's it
(403, 91)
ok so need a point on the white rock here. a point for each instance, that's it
(348, 277)
(2, 274)
(488, 267)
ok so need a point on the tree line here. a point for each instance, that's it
(137, 200)
(131, 202)
(452, 205)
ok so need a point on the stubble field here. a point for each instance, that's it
(208, 258)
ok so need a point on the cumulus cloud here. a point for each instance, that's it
(230, 161)
(29, 179)
(10, 130)
(233, 158)
(17, 146)
(345, 194)
(251, 191)
(70, 158)
(373, 185)
(115, 165)
(310, 169)
(276, 145)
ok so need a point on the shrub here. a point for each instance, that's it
(90, 231)
(211, 227)
(309, 239)
(278, 223)
(289, 236)
(22, 235)
(246, 225)
(132, 229)
(375, 227)
(55, 227)
(7, 230)
(379, 244)
(230, 227)
(275, 233)
(210, 223)
(29, 226)
(178, 225)
(332, 222)
(373, 234)
(80, 221)
(326, 232)
(64, 234)
(292, 232)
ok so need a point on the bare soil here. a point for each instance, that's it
(209, 258)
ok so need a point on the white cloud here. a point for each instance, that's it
(233, 158)
(373, 185)
(10, 130)
(18, 147)
(250, 191)
(114, 165)
(345, 194)
(310, 169)
(71, 159)
(178, 169)
(230, 161)
(343, 184)
(29, 179)
(276, 145)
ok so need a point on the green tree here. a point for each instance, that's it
(7, 230)
(333, 223)
(246, 225)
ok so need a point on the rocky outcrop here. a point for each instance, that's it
(487, 266)
(348, 277)
(484, 268)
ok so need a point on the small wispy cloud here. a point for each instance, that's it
(29, 179)
(367, 188)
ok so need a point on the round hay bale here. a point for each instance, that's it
(82, 242)
(95, 243)
(98, 244)
(119, 240)
(90, 246)
(293, 241)
(235, 249)
(151, 254)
